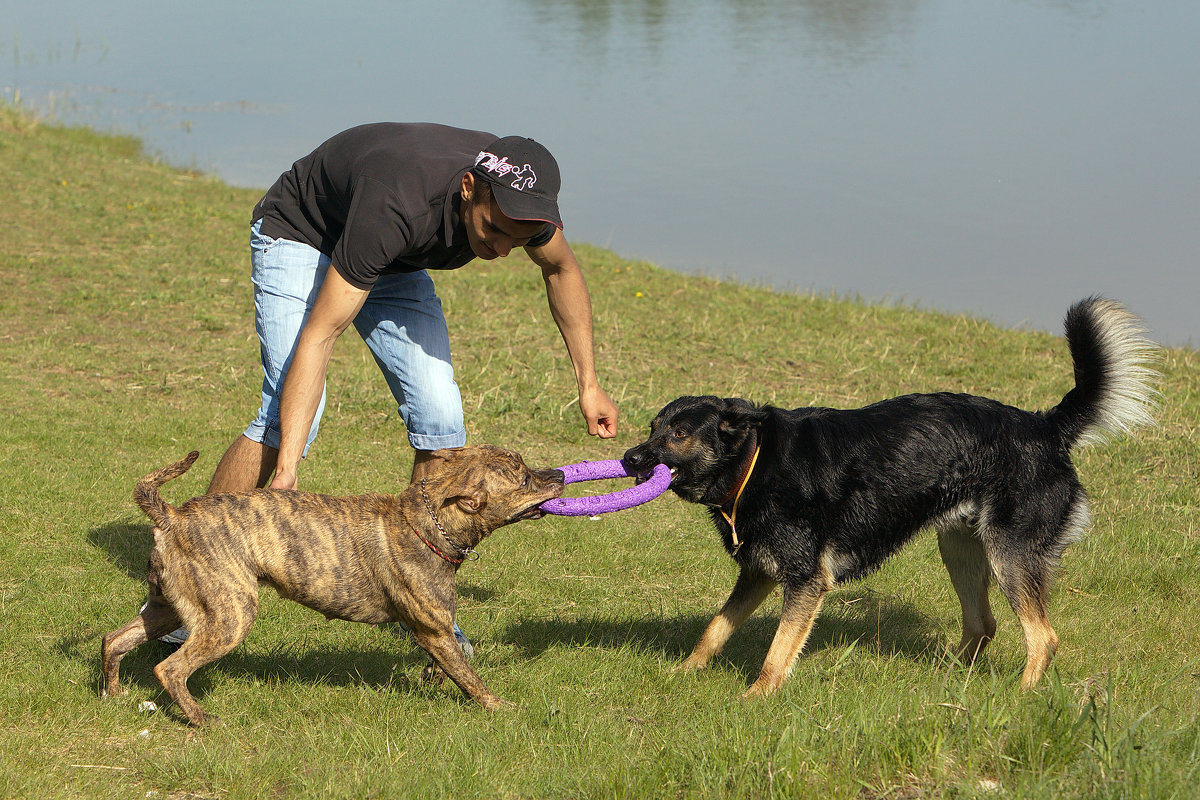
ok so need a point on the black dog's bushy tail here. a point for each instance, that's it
(1114, 386)
(146, 494)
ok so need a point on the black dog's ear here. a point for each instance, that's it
(738, 415)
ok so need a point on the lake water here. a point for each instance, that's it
(996, 157)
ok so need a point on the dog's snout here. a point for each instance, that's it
(637, 459)
(551, 478)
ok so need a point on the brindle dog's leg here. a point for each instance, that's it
(751, 589)
(800, 607)
(445, 650)
(211, 637)
(155, 620)
(966, 560)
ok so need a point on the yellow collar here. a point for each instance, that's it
(732, 516)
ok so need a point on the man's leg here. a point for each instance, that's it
(403, 325)
(421, 461)
(246, 465)
(287, 276)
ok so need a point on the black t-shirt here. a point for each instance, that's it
(380, 198)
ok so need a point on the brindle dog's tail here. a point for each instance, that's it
(146, 494)
(1114, 385)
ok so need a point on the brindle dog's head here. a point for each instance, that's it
(484, 488)
(702, 440)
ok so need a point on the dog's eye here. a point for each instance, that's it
(525, 481)
(680, 433)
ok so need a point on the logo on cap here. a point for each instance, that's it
(523, 177)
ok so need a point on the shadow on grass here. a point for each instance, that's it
(127, 544)
(385, 668)
(883, 625)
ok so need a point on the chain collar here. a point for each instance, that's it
(465, 554)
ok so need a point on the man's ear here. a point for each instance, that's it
(472, 502)
(468, 186)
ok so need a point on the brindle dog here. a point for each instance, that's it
(372, 558)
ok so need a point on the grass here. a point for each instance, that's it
(127, 340)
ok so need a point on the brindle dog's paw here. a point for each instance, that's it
(433, 675)
(497, 704)
(203, 720)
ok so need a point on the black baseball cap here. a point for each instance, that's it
(524, 179)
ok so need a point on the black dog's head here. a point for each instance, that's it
(703, 440)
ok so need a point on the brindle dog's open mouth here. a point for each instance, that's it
(533, 512)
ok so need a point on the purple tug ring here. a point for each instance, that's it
(659, 482)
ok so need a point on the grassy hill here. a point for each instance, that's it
(127, 339)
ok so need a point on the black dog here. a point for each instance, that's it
(813, 497)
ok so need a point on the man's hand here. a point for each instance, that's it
(285, 480)
(571, 307)
(600, 412)
(337, 304)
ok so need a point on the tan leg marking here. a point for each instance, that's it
(1027, 592)
(966, 561)
(800, 608)
(748, 594)
(1040, 640)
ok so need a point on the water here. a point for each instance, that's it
(996, 157)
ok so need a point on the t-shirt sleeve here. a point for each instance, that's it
(377, 232)
(543, 237)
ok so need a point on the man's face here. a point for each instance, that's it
(490, 233)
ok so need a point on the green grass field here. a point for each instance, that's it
(127, 340)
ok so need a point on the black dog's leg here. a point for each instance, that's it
(751, 589)
(800, 607)
(966, 561)
(1025, 582)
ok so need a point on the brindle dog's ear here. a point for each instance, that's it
(738, 416)
(472, 502)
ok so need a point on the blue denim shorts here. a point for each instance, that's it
(401, 322)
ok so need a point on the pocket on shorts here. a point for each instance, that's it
(259, 241)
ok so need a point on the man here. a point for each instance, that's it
(346, 236)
